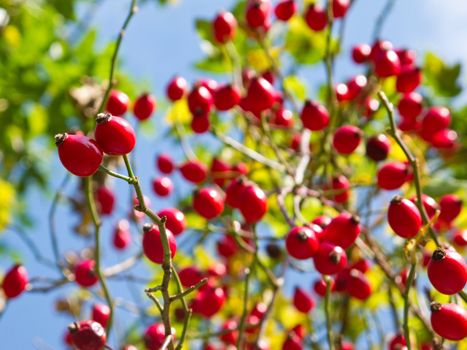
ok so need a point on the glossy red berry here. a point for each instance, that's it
(302, 301)
(409, 79)
(200, 100)
(122, 234)
(200, 123)
(342, 92)
(449, 321)
(292, 342)
(285, 9)
(322, 221)
(80, 155)
(329, 259)
(283, 118)
(194, 171)
(407, 57)
(346, 139)
(314, 116)
(189, 276)
(387, 64)
(361, 53)
(355, 86)
(257, 14)
(226, 97)
(220, 171)
(397, 342)
(100, 313)
(154, 336)
(358, 286)
(447, 271)
(162, 186)
(260, 94)
(361, 265)
(15, 281)
(114, 135)
(176, 88)
(345, 345)
(301, 242)
(320, 286)
(253, 204)
(208, 203)
(144, 106)
(105, 200)
(118, 103)
(208, 301)
(343, 230)
(164, 163)
(379, 47)
(435, 119)
(209, 84)
(451, 206)
(460, 237)
(85, 275)
(316, 17)
(224, 27)
(230, 332)
(378, 147)
(404, 217)
(429, 204)
(341, 185)
(339, 8)
(227, 247)
(233, 193)
(410, 105)
(152, 243)
(444, 139)
(88, 335)
(176, 221)
(392, 175)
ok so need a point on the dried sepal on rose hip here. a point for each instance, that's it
(114, 135)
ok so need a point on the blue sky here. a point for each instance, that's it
(161, 42)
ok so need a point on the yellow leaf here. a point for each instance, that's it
(258, 59)
(12, 35)
(7, 194)
(178, 112)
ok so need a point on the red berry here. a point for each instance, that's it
(176, 88)
(371, 105)
(379, 47)
(260, 94)
(88, 335)
(302, 301)
(162, 186)
(361, 265)
(346, 139)
(154, 336)
(15, 281)
(316, 17)
(227, 247)
(189, 276)
(408, 125)
(449, 321)
(397, 342)
(232, 336)
(429, 204)
(114, 135)
(361, 53)
(152, 243)
(208, 203)
(404, 217)
(345, 345)
(176, 222)
(387, 64)
(447, 271)
(339, 8)
(322, 221)
(233, 193)
(407, 57)
(377, 147)
(144, 106)
(358, 285)
(200, 124)
(257, 14)
(342, 92)
(320, 286)
(226, 97)
(314, 116)
(292, 342)
(408, 79)
(80, 155)
(220, 171)
(435, 119)
(122, 235)
(285, 9)
(164, 163)
(410, 105)
(105, 200)
(355, 86)
(329, 259)
(101, 314)
(460, 237)
(194, 171)
(118, 103)
(209, 84)
(392, 175)
(208, 301)
(451, 206)
(85, 275)
(444, 139)
(224, 27)
(200, 100)
(343, 230)
(340, 184)
(301, 242)
(253, 204)
(283, 118)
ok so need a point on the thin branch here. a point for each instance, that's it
(328, 314)
(241, 326)
(381, 19)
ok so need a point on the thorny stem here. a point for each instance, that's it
(97, 253)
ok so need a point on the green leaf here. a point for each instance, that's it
(65, 8)
(294, 85)
(440, 77)
(437, 187)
